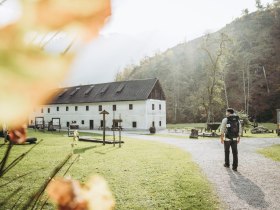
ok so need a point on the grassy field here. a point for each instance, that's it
(141, 174)
(272, 152)
(185, 125)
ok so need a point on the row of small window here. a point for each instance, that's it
(114, 107)
(134, 124)
(153, 106)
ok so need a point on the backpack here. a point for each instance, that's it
(232, 127)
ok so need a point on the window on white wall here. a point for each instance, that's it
(67, 108)
(57, 108)
(153, 107)
(87, 108)
(134, 124)
(49, 110)
(130, 106)
(76, 108)
(159, 123)
(159, 107)
(114, 107)
(100, 108)
(83, 122)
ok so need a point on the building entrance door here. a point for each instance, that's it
(91, 124)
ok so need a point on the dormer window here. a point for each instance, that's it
(62, 93)
(89, 90)
(74, 91)
(120, 88)
(104, 89)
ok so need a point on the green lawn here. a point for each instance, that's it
(185, 125)
(270, 126)
(141, 174)
(272, 152)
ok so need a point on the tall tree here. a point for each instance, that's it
(213, 71)
(259, 5)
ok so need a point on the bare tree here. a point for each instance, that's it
(213, 70)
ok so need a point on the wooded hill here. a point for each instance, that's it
(237, 66)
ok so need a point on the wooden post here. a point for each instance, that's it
(104, 127)
(120, 131)
(120, 137)
(104, 112)
(114, 137)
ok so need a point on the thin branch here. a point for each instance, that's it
(19, 177)
(69, 46)
(5, 158)
(45, 202)
(50, 39)
(3, 1)
(17, 160)
(11, 195)
(34, 199)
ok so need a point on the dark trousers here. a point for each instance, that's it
(233, 145)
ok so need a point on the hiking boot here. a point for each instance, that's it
(235, 169)
(225, 165)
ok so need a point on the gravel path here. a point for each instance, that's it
(256, 185)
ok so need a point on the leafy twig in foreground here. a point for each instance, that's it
(34, 199)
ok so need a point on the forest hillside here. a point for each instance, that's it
(237, 66)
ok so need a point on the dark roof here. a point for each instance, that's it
(132, 90)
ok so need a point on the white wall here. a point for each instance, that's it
(157, 115)
(141, 113)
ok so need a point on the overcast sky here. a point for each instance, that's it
(140, 28)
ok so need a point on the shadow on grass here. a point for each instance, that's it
(247, 190)
(83, 150)
(106, 150)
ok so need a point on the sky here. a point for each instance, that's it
(139, 28)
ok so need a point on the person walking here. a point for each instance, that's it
(230, 137)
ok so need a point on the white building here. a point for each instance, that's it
(139, 103)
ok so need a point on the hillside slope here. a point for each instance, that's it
(238, 65)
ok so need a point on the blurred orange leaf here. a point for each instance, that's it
(18, 135)
(85, 16)
(27, 73)
(71, 195)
